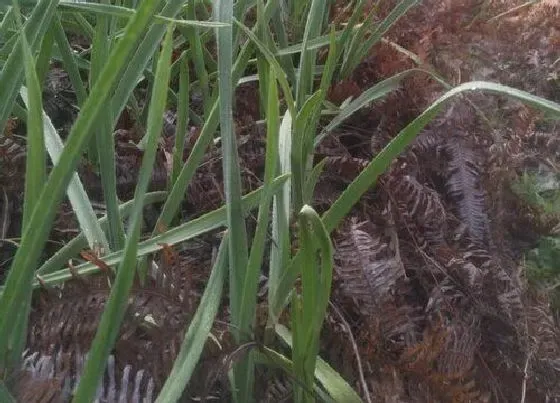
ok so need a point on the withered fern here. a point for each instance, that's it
(464, 187)
(64, 323)
(52, 378)
(421, 208)
(368, 268)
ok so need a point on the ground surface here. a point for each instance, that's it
(430, 287)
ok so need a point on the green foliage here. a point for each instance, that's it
(132, 48)
(542, 190)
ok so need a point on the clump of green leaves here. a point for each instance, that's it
(542, 191)
(125, 52)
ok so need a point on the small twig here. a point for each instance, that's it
(513, 10)
(5, 218)
(356, 352)
(525, 378)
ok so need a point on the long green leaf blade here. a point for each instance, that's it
(35, 174)
(115, 308)
(104, 141)
(249, 291)
(198, 332)
(238, 250)
(337, 387)
(12, 72)
(76, 193)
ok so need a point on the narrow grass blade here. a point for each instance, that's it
(300, 152)
(12, 72)
(6, 24)
(313, 178)
(76, 193)
(69, 61)
(108, 10)
(45, 51)
(338, 389)
(282, 38)
(377, 92)
(243, 372)
(363, 44)
(313, 27)
(176, 195)
(280, 245)
(104, 140)
(180, 185)
(232, 178)
(198, 332)
(263, 68)
(36, 232)
(35, 174)
(137, 63)
(250, 285)
(309, 309)
(35, 169)
(116, 305)
(83, 25)
(197, 56)
(280, 75)
(182, 120)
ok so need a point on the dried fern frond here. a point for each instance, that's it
(457, 358)
(505, 289)
(278, 389)
(464, 187)
(544, 334)
(372, 275)
(12, 161)
(369, 270)
(427, 142)
(462, 267)
(421, 208)
(53, 378)
(151, 332)
(444, 360)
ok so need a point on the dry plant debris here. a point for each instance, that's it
(430, 274)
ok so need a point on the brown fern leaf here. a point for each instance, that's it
(444, 360)
(503, 291)
(545, 141)
(71, 320)
(368, 268)
(544, 334)
(12, 161)
(462, 268)
(420, 357)
(421, 208)
(461, 391)
(53, 378)
(427, 142)
(278, 389)
(372, 275)
(150, 334)
(344, 167)
(457, 359)
(464, 187)
(388, 386)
